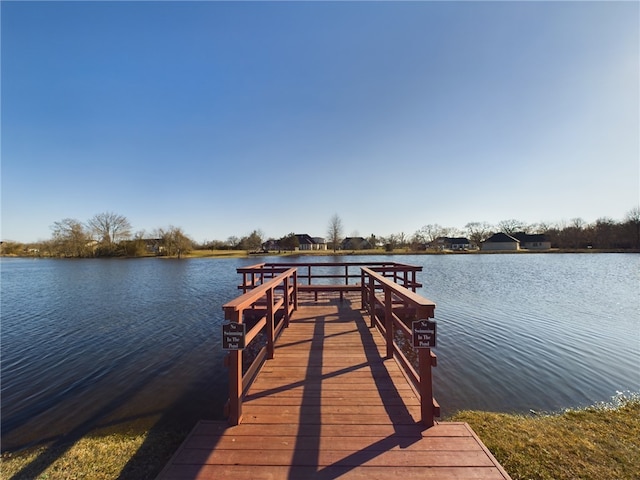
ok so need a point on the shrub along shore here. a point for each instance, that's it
(595, 443)
(378, 251)
(204, 253)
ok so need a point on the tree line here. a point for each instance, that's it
(105, 234)
(109, 234)
(576, 234)
(603, 234)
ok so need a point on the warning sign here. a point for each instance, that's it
(424, 333)
(233, 335)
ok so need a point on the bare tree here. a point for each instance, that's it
(478, 232)
(402, 239)
(334, 231)
(512, 226)
(541, 227)
(417, 241)
(8, 247)
(604, 233)
(70, 238)
(576, 233)
(429, 233)
(390, 242)
(174, 241)
(233, 242)
(632, 222)
(110, 228)
(253, 243)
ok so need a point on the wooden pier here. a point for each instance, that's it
(330, 403)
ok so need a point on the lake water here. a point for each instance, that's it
(87, 343)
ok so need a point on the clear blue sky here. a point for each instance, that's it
(222, 117)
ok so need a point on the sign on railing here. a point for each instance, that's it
(424, 333)
(233, 335)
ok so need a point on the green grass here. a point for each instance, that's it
(216, 254)
(601, 442)
(595, 443)
(90, 457)
(123, 451)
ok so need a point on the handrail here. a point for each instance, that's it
(271, 290)
(384, 313)
(266, 312)
(308, 274)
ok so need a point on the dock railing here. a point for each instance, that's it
(265, 310)
(338, 277)
(388, 293)
(392, 308)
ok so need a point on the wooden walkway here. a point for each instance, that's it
(330, 406)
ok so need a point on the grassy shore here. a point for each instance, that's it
(379, 251)
(601, 442)
(355, 253)
(595, 443)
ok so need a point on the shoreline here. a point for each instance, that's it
(341, 253)
(597, 442)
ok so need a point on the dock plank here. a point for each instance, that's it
(330, 406)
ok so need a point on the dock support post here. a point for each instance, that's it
(372, 302)
(271, 319)
(295, 294)
(426, 387)
(235, 378)
(288, 302)
(388, 321)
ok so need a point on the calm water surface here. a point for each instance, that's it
(97, 342)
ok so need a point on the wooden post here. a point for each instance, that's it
(372, 302)
(388, 321)
(235, 376)
(295, 293)
(426, 386)
(288, 299)
(270, 321)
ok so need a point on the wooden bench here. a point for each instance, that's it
(341, 288)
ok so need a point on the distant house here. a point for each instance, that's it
(355, 243)
(458, 243)
(535, 241)
(153, 245)
(501, 242)
(448, 243)
(271, 245)
(306, 242)
(319, 243)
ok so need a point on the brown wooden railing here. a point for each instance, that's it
(337, 277)
(392, 308)
(266, 310)
(388, 292)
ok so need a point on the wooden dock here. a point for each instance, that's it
(329, 405)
